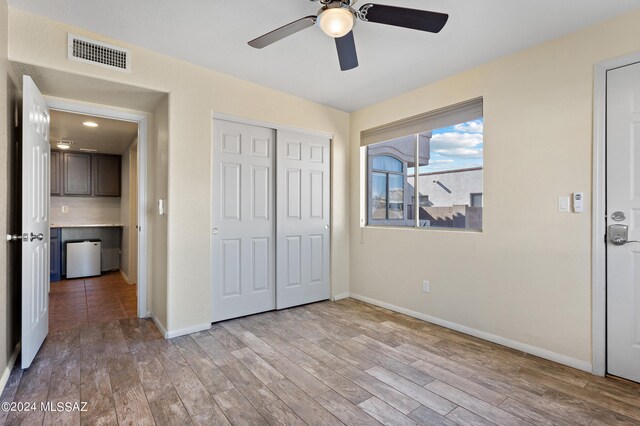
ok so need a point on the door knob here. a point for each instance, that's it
(619, 234)
(215, 231)
(14, 237)
(326, 227)
(38, 237)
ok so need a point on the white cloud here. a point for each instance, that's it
(476, 126)
(461, 152)
(455, 140)
(433, 162)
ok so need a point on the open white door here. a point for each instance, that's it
(623, 221)
(35, 221)
(303, 228)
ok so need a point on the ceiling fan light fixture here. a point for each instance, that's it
(336, 22)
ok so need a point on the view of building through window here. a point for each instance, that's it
(449, 178)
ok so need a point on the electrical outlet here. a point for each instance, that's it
(425, 286)
(65, 209)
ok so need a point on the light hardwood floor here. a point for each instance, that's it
(320, 364)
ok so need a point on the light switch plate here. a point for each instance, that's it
(65, 209)
(563, 204)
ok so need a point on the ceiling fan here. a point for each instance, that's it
(337, 18)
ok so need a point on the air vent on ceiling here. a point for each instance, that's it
(95, 52)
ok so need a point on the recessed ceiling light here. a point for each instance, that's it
(90, 124)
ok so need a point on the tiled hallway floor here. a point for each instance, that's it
(82, 301)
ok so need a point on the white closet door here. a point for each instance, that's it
(303, 226)
(243, 220)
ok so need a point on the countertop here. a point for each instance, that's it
(86, 225)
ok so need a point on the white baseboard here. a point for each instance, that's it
(7, 371)
(533, 350)
(125, 277)
(340, 296)
(188, 330)
(158, 324)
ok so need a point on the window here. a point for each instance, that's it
(387, 188)
(476, 200)
(436, 158)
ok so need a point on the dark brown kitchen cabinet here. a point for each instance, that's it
(76, 173)
(55, 173)
(106, 175)
(86, 175)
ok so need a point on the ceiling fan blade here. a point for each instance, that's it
(422, 20)
(347, 55)
(282, 32)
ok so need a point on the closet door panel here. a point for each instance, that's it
(243, 243)
(303, 227)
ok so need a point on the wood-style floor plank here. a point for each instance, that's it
(344, 410)
(303, 405)
(423, 396)
(385, 413)
(426, 416)
(386, 393)
(475, 405)
(343, 362)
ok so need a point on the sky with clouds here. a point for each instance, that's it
(456, 147)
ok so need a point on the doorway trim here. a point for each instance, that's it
(598, 212)
(142, 120)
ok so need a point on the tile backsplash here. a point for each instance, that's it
(85, 210)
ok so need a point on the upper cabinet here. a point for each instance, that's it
(56, 178)
(83, 174)
(77, 173)
(106, 175)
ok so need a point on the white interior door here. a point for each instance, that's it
(35, 221)
(303, 229)
(243, 220)
(623, 210)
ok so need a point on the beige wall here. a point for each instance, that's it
(194, 93)
(527, 276)
(158, 153)
(6, 348)
(10, 293)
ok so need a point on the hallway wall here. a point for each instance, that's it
(9, 222)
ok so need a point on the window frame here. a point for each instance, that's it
(416, 125)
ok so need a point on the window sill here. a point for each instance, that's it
(423, 228)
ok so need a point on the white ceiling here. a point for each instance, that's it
(110, 137)
(214, 34)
